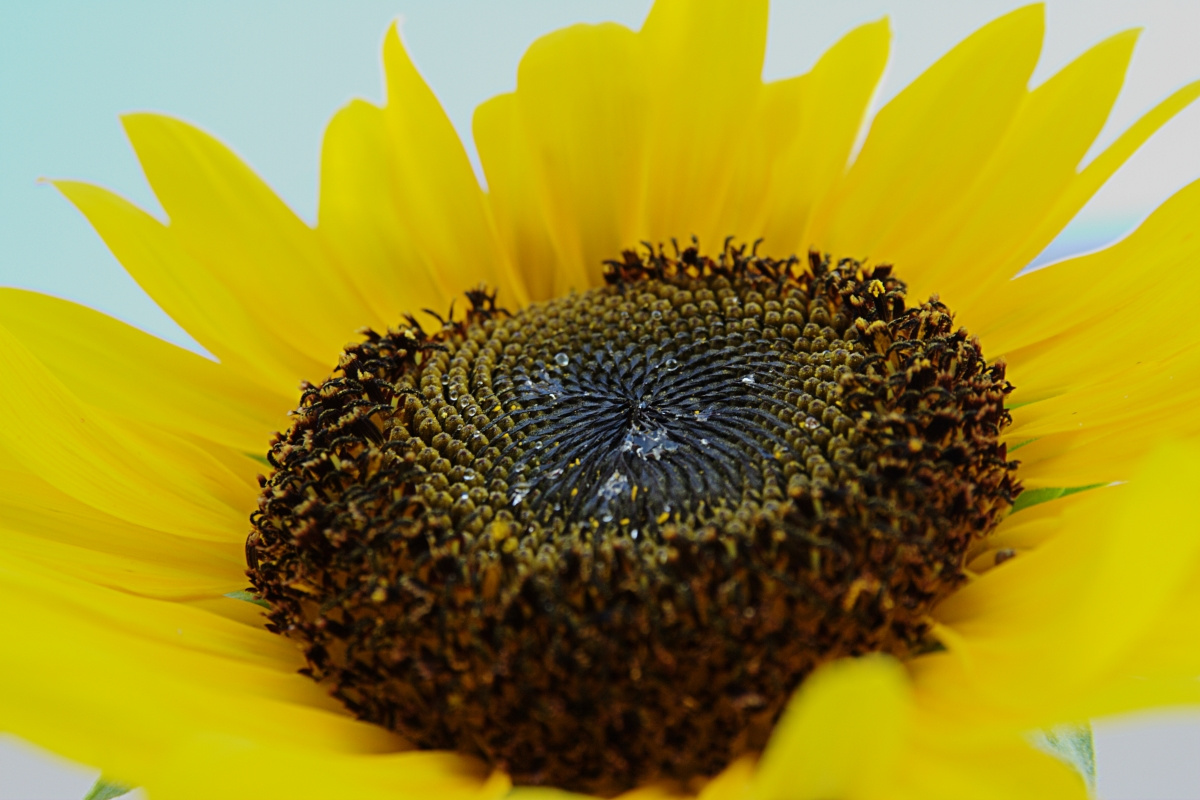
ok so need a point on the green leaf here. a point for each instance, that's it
(1033, 497)
(104, 790)
(242, 594)
(1073, 745)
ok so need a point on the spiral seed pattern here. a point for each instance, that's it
(599, 541)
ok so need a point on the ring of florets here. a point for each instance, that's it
(600, 540)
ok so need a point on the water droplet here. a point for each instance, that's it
(671, 365)
(606, 518)
(748, 379)
(656, 314)
(519, 493)
(562, 359)
(812, 422)
(469, 475)
(633, 534)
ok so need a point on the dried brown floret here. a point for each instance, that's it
(601, 540)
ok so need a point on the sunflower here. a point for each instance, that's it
(703, 453)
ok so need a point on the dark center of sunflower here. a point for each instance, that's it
(600, 541)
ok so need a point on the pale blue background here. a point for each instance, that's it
(265, 76)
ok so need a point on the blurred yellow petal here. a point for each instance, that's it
(1077, 604)
(145, 709)
(842, 735)
(1008, 769)
(734, 783)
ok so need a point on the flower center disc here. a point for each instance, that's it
(600, 541)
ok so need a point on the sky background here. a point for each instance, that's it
(265, 76)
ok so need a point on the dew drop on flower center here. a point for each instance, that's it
(600, 540)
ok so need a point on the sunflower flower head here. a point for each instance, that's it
(716, 448)
(640, 514)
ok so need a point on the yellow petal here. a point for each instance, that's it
(575, 90)
(841, 736)
(704, 60)
(1009, 769)
(239, 766)
(132, 574)
(605, 157)
(734, 782)
(1033, 636)
(514, 194)
(150, 687)
(831, 111)
(218, 320)
(139, 377)
(977, 242)
(364, 225)
(244, 236)
(152, 479)
(928, 145)
(1037, 317)
(1086, 184)
(400, 205)
(159, 624)
(441, 201)
(1097, 384)
(46, 516)
(1155, 396)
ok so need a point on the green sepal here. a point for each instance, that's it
(1033, 497)
(1072, 744)
(107, 790)
(248, 597)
